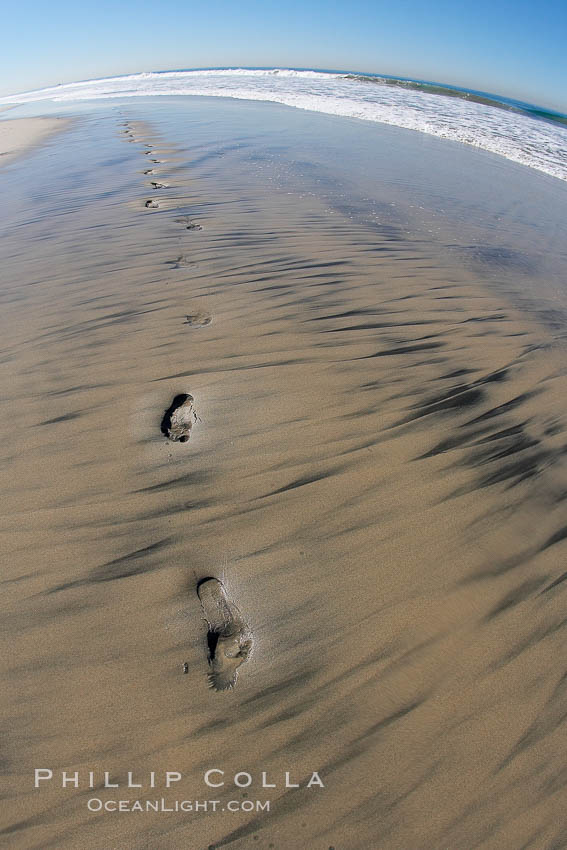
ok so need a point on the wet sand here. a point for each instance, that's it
(19, 135)
(376, 474)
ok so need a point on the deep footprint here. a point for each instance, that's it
(156, 185)
(188, 222)
(179, 418)
(228, 638)
(151, 205)
(198, 320)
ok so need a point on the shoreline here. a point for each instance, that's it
(375, 473)
(19, 136)
(533, 138)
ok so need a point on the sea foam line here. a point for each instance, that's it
(518, 137)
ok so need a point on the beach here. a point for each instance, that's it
(21, 134)
(375, 472)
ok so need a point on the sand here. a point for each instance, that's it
(18, 135)
(376, 473)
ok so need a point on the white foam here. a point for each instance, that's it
(520, 138)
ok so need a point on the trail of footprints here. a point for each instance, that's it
(152, 203)
(195, 320)
(228, 639)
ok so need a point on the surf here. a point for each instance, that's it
(530, 136)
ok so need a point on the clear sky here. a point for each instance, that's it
(512, 48)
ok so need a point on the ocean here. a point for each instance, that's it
(520, 132)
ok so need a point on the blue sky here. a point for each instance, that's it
(516, 49)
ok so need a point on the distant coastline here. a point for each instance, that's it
(496, 100)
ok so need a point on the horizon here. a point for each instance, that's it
(513, 49)
(496, 96)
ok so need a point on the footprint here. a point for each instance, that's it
(151, 205)
(156, 185)
(228, 639)
(148, 171)
(198, 320)
(179, 418)
(188, 222)
(180, 262)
